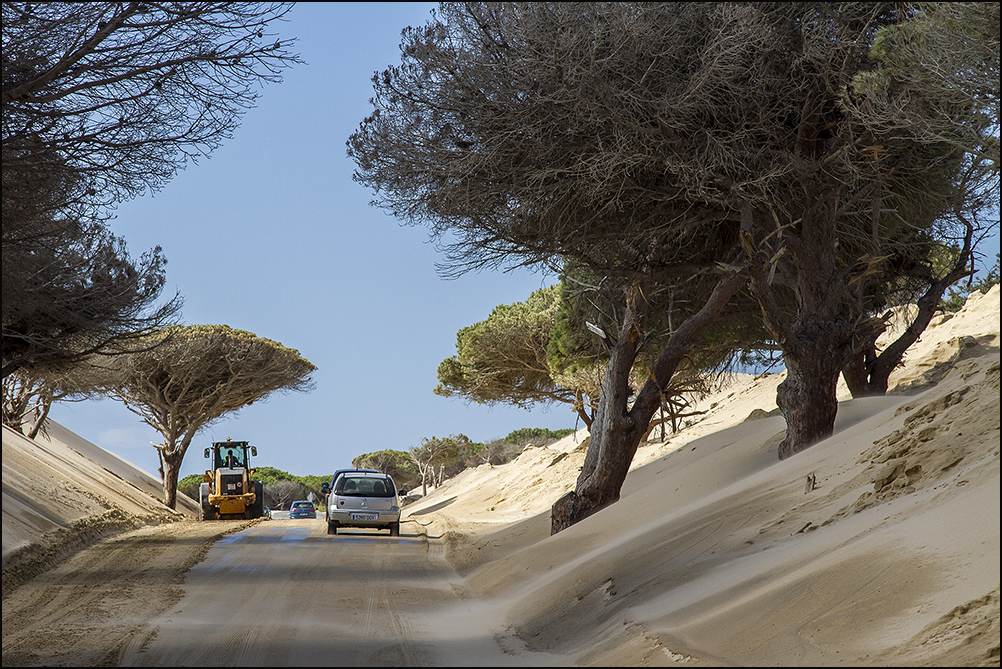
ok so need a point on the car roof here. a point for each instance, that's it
(361, 473)
(354, 471)
(302, 501)
(338, 472)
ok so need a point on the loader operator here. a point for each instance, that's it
(231, 460)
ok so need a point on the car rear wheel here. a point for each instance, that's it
(395, 530)
(331, 528)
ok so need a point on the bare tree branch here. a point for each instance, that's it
(102, 102)
(127, 93)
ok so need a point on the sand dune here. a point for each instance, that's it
(717, 552)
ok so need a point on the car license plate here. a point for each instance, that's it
(365, 516)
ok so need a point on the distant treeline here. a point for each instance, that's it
(439, 458)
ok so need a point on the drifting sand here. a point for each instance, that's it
(717, 552)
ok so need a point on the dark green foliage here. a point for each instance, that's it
(525, 435)
(272, 475)
(310, 483)
(736, 337)
(189, 485)
(397, 464)
(572, 347)
(503, 358)
(314, 484)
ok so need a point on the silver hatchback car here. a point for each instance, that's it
(364, 499)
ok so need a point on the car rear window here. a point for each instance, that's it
(351, 486)
(342, 471)
(302, 505)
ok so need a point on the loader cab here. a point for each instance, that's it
(230, 454)
(228, 457)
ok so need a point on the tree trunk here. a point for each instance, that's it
(172, 467)
(614, 440)
(579, 407)
(616, 431)
(817, 346)
(41, 413)
(171, 456)
(868, 374)
(807, 397)
(819, 342)
(855, 371)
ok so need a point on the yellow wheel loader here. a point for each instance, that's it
(228, 492)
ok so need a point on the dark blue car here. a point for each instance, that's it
(303, 509)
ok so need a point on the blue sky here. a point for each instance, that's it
(271, 235)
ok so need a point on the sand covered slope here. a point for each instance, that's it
(720, 553)
(878, 546)
(61, 492)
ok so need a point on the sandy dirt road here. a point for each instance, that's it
(263, 593)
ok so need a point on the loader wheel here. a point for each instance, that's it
(208, 511)
(258, 509)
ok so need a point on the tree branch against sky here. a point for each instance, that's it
(503, 359)
(520, 170)
(126, 93)
(655, 143)
(103, 102)
(199, 374)
(70, 291)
